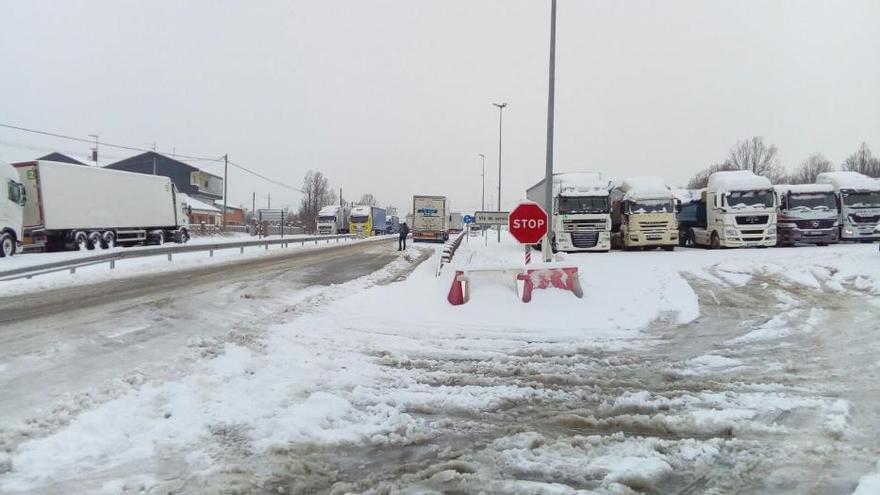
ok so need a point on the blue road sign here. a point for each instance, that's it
(467, 219)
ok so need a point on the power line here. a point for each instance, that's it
(257, 174)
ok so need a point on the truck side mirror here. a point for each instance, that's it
(22, 196)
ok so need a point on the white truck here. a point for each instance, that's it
(430, 220)
(11, 204)
(643, 214)
(367, 221)
(737, 209)
(83, 207)
(332, 220)
(581, 211)
(858, 204)
(807, 214)
(456, 223)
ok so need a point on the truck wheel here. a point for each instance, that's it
(7, 245)
(716, 241)
(181, 237)
(81, 241)
(108, 240)
(95, 240)
(669, 248)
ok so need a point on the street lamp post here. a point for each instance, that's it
(500, 112)
(483, 175)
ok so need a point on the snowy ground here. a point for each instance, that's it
(735, 371)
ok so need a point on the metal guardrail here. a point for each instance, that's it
(168, 250)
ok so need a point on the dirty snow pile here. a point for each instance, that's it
(561, 395)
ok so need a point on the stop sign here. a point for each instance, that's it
(527, 223)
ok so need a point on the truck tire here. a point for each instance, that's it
(108, 240)
(181, 236)
(715, 242)
(669, 248)
(95, 240)
(7, 245)
(81, 241)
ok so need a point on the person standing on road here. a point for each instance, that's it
(404, 231)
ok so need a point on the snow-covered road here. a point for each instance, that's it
(748, 371)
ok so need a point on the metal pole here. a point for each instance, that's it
(483, 200)
(500, 113)
(268, 201)
(546, 246)
(95, 151)
(225, 185)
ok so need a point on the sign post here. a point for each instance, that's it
(498, 218)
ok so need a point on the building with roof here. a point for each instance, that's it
(192, 181)
(60, 157)
(199, 212)
(234, 215)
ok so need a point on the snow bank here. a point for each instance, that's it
(848, 180)
(869, 484)
(737, 180)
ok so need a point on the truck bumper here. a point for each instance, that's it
(818, 236)
(565, 243)
(430, 236)
(858, 234)
(640, 239)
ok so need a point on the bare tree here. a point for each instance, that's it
(863, 162)
(701, 178)
(810, 168)
(316, 193)
(368, 200)
(752, 154)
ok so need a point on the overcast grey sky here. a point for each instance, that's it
(394, 97)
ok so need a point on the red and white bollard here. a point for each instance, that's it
(528, 254)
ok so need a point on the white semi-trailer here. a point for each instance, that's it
(858, 201)
(737, 209)
(430, 220)
(581, 211)
(12, 202)
(333, 219)
(82, 207)
(807, 214)
(643, 214)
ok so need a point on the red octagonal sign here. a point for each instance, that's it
(527, 223)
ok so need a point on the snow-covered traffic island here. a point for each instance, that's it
(694, 371)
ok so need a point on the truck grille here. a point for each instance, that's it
(574, 226)
(585, 240)
(753, 232)
(814, 224)
(871, 219)
(752, 220)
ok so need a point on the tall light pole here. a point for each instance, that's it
(546, 246)
(500, 113)
(483, 175)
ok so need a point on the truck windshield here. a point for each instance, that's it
(743, 199)
(327, 218)
(586, 204)
(869, 199)
(359, 219)
(811, 201)
(652, 206)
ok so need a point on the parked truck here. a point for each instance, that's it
(737, 209)
(11, 210)
(82, 207)
(367, 221)
(456, 223)
(807, 213)
(392, 224)
(332, 220)
(643, 214)
(580, 213)
(430, 220)
(858, 204)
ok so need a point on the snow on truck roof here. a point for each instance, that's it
(580, 183)
(644, 188)
(737, 180)
(848, 180)
(361, 210)
(803, 188)
(329, 210)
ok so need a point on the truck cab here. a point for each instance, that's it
(807, 214)
(367, 221)
(581, 211)
(332, 220)
(643, 214)
(12, 203)
(858, 203)
(738, 209)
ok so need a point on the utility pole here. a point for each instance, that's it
(483, 175)
(225, 185)
(341, 203)
(154, 166)
(500, 112)
(95, 149)
(268, 201)
(546, 246)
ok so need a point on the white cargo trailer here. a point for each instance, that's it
(83, 207)
(12, 201)
(430, 219)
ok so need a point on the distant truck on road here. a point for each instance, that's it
(807, 214)
(581, 211)
(367, 221)
(392, 225)
(332, 220)
(11, 205)
(858, 202)
(82, 207)
(430, 220)
(456, 223)
(643, 214)
(737, 209)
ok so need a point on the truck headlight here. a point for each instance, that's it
(730, 233)
(633, 237)
(848, 231)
